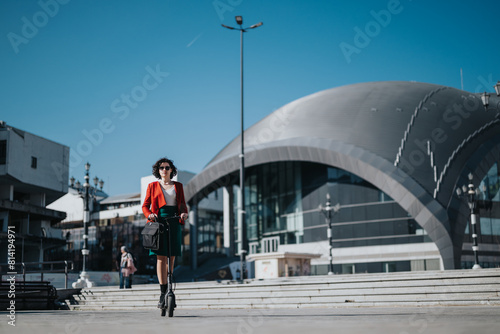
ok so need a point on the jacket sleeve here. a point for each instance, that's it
(182, 200)
(147, 202)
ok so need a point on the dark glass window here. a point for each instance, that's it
(490, 185)
(34, 162)
(3, 152)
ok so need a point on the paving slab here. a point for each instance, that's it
(363, 320)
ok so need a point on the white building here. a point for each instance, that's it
(33, 173)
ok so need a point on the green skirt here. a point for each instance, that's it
(175, 234)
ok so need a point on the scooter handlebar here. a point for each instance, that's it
(167, 219)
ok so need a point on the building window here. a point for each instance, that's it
(33, 162)
(3, 152)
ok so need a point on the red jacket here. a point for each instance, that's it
(155, 200)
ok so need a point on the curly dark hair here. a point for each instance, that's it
(156, 168)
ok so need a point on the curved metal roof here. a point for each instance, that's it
(411, 140)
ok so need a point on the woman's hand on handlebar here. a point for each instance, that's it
(152, 217)
(184, 216)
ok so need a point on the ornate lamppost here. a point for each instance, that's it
(329, 211)
(485, 97)
(88, 193)
(471, 192)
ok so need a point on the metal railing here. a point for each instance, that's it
(6, 268)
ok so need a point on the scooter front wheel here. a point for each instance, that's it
(163, 310)
(170, 305)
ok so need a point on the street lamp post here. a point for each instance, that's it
(241, 201)
(470, 191)
(88, 193)
(327, 211)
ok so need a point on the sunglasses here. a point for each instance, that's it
(165, 168)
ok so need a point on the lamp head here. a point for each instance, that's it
(497, 88)
(239, 19)
(471, 191)
(87, 166)
(336, 207)
(485, 97)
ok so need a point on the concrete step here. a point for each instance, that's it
(458, 287)
(491, 285)
(304, 299)
(471, 291)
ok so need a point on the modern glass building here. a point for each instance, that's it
(391, 154)
(283, 202)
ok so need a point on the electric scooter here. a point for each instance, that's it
(169, 304)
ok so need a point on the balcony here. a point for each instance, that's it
(36, 212)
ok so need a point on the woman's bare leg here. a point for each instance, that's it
(161, 269)
(172, 261)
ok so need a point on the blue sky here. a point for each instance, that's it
(124, 82)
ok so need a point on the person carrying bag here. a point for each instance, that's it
(127, 268)
(164, 199)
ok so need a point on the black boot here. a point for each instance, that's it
(163, 290)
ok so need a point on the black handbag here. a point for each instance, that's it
(151, 235)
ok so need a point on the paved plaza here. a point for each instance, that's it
(365, 320)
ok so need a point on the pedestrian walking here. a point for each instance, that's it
(127, 269)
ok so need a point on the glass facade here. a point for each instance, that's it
(489, 223)
(104, 242)
(490, 185)
(283, 199)
(210, 233)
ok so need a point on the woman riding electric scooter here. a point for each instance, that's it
(164, 199)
